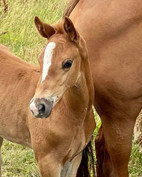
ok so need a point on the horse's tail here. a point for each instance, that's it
(87, 166)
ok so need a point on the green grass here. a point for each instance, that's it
(18, 161)
(24, 41)
(21, 35)
(135, 164)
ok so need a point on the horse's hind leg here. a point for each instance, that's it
(116, 139)
(1, 140)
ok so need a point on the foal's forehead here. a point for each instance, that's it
(62, 42)
(59, 47)
(50, 46)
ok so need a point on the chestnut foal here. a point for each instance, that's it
(64, 96)
(63, 99)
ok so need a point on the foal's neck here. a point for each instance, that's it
(79, 98)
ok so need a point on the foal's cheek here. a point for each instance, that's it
(71, 79)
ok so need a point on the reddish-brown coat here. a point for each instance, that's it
(112, 30)
(59, 139)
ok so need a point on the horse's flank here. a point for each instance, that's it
(18, 81)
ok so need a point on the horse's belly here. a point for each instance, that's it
(12, 135)
(13, 128)
(13, 114)
(118, 67)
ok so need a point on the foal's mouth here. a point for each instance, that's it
(41, 107)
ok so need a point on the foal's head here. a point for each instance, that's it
(60, 62)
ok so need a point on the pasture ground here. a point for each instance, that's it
(17, 31)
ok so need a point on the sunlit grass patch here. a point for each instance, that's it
(18, 161)
(135, 164)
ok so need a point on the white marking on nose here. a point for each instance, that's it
(33, 108)
(47, 59)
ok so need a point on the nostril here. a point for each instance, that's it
(41, 109)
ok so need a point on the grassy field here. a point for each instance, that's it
(17, 31)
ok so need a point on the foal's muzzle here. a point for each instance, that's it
(41, 107)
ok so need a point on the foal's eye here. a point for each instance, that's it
(67, 64)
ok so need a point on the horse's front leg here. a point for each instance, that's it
(48, 165)
(115, 139)
(70, 167)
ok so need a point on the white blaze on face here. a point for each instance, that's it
(47, 59)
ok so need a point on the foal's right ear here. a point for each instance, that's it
(44, 29)
(70, 30)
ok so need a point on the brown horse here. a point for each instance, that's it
(59, 138)
(113, 32)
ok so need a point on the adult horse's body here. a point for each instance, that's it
(64, 81)
(113, 32)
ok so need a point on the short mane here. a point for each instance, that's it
(58, 26)
(70, 6)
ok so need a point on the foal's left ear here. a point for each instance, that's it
(70, 30)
